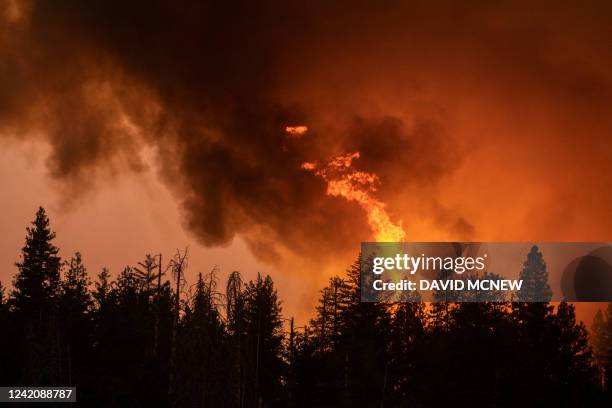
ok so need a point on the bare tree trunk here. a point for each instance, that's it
(178, 265)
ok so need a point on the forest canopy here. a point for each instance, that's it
(148, 337)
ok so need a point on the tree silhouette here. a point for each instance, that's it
(574, 373)
(128, 341)
(75, 305)
(264, 341)
(342, 359)
(36, 285)
(34, 300)
(201, 362)
(236, 323)
(535, 278)
(407, 329)
(602, 345)
(146, 274)
(327, 323)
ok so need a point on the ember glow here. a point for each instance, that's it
(296, 131)
(343, 180)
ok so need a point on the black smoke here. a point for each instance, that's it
(211, 86)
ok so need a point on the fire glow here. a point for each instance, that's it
(354, 185)
(296, 131)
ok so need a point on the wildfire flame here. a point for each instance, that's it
(359, 186)
(296, 131)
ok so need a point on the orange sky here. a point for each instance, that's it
(481, 121)
(117, 225)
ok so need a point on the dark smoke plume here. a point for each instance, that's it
(212, 85)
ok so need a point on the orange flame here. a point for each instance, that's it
(354, 185)
(296, 131)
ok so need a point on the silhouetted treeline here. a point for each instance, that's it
(147, 338)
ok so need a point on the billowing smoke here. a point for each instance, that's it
(212, 86)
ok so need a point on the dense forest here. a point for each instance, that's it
(149, 338)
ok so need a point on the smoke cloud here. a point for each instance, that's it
(444, 103)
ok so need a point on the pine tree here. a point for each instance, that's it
(468, 338)
(264, 338)
(533, 331)
(327, 322)
(407, 330)
(236, 323)
(573, 377)
(201, 360)
(76, 325)
(362, 348)
(36, 284)
(102, 289)
(34, 299)
(535, 278)
(124, 337)
(146, 274)
(75, 286)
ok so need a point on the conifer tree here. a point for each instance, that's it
(264, 338)
(36, 284)
(201, 360)
(573, 376)
(363, 343)
(407, 329)
(327, 322)
(533, 317)
(102, 288)
(462, 346)
(535, 278)
(533, 329)
(573, 346)
(146, 274)
(236, 338)
(75, 286)
(75, 320)
(34, 299)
